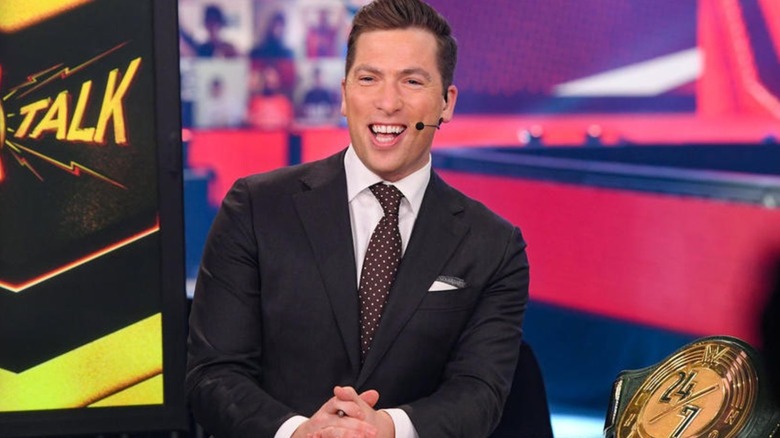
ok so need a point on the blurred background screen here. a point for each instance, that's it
(635, 143)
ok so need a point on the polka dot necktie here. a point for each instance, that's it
(380, 264)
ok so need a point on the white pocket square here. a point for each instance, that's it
(447, 283)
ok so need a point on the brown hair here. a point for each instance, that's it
(403, 14)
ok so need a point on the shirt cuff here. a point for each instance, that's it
(288, 427)
(403, 425)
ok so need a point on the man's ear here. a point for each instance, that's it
(344, 97)
(450, 98)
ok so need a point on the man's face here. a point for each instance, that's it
(394, 83)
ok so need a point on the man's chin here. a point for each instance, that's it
(386, 169)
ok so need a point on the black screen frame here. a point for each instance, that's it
(172, 414)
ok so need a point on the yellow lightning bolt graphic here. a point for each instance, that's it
(24, 163)
(33, 80)
(73, 167)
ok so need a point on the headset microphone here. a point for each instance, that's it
(420, 125)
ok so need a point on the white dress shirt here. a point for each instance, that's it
(365, 212)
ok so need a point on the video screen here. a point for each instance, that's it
(263, 64)
(84, 293)
(637, 72)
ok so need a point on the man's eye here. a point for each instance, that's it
(365, 79)
(414, 82)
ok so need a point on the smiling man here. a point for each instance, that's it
(393, 82)
(360, 295)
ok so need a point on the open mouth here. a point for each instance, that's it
(386, 133)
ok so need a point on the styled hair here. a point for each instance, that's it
(405, 14)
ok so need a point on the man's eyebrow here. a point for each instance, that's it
(417, 71)
(367, 69)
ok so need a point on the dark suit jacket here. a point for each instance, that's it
(274, 322)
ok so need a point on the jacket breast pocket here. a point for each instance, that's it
(450, 300)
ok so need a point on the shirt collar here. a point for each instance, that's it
(359, 178)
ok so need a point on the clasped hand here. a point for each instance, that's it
(348, 415)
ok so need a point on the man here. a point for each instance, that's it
(289, 336)
(215, 46)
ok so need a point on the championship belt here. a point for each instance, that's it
(713, 387)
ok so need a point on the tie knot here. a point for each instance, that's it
(389, 197)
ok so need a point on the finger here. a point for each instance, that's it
(335, 432)
(344, 408)
(346, 393)
(349, 427)
(370, 397)
(322, 425)
(331, 432)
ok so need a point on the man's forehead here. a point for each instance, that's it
(380, 39)
(386, 42)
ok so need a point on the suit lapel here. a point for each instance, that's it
(324, 212)
(437, 232)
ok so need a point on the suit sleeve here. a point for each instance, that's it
(478, 376)
(224, 343)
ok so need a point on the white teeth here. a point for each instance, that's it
(387, 129)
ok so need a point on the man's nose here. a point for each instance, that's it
(388, 98)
